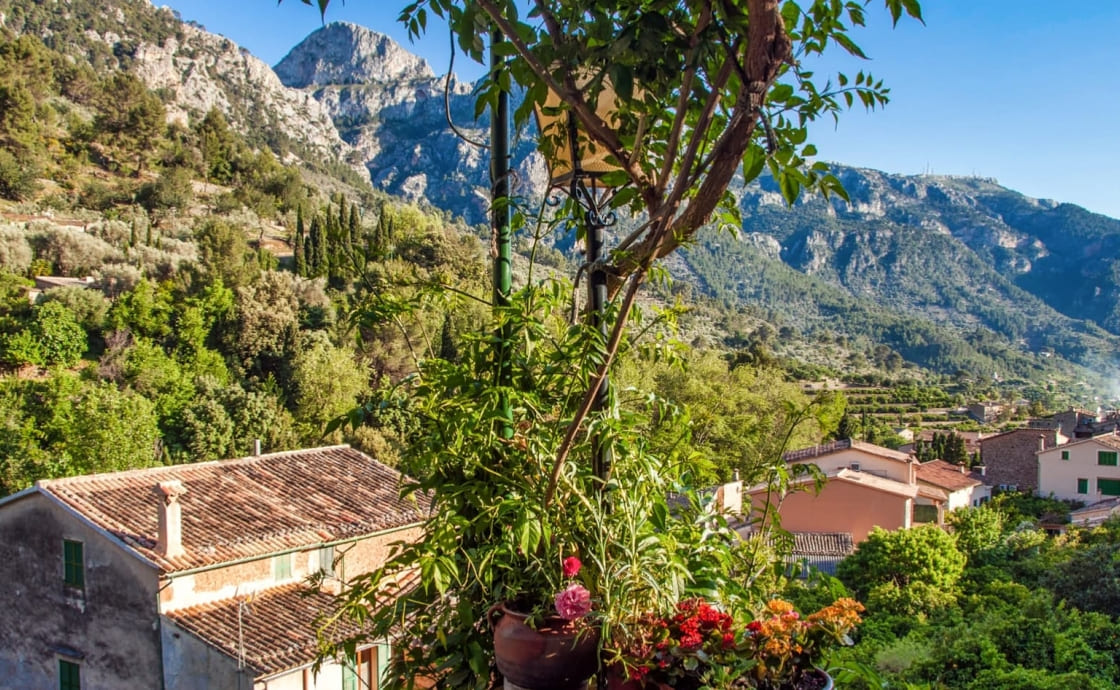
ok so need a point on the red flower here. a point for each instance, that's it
(754, 626)
(571, 566)
(728, 640)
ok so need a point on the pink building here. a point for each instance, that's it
(864, 486)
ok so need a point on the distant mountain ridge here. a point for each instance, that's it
(945, 270)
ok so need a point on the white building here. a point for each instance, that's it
(1084, 470)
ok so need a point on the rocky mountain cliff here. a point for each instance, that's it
(390, 106)
(943, 269)
(192, 69)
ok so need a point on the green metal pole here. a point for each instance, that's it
(500, 221)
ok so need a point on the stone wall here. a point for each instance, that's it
(110, 628)
(1010, 460)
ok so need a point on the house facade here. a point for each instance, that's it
(962, 487)
(864, 486)
(194, 576)
(1010, 458)
(1085, 470)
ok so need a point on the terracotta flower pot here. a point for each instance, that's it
(559, 655)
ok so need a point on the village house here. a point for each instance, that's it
(865, 486)
(963, 487)
(1010, 459)
(1085, 470)
(195, 576)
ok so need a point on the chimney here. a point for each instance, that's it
(1041, 442)
(257, 447)
(982, 469)
(170, 544)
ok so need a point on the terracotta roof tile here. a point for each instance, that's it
(822, 544)
(945, 475)
(844, 444)
(278, 627)
(247, 507)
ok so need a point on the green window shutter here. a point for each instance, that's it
(282, 567)
(350, 673)
(1082, 486)
(1065, 455)
(69, 675)
(73, 564)
(1106, 457)
(1109, 487)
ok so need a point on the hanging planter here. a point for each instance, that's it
(557, 655)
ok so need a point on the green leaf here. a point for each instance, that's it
(753, 160)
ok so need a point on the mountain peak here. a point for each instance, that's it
(341, 53)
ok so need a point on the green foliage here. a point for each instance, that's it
(979, 533)
(497, 532)
(327, 383)
(904, 559)
(738, 417)
(224, 254)
(110, 430)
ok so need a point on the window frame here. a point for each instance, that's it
(1083, 486)
(1106, 458)
(69, 675)
(1112, 482)
(1065, 455)
(74, 564)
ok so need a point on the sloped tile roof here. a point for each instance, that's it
(845, 444)
(277, 627)
(822, 544)
(945, 475)
(247, 507)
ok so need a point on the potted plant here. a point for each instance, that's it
(700, 646)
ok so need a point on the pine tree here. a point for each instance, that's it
(297, 245)
(354, 226)
(447, 349)
(316, 257)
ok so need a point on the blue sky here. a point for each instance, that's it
(1025, 91)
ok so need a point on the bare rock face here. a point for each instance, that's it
(203, 71)
(391, 107)
(342, 53)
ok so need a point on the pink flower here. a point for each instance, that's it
(573, 602)
(571, 566)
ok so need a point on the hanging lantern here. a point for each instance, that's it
(569, 152)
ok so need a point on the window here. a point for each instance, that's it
(1108, 487)
(367, 668)
(282, 567)
(73, 564)
(326, 560)
(1106, 457)
(854, 466)
(69, 675)
(1082, 486)
(1065, 455)
(360, 671)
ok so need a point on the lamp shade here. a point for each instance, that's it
(562, 141)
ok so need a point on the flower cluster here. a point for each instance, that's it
(784, 645)
(701, 646)
(678, 650)
(574, 601)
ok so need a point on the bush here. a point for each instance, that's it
(18, 179)
(15, 252)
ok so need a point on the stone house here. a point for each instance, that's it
(194, 576)
(1085, 470)
(864, 486)
(1011, 459)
